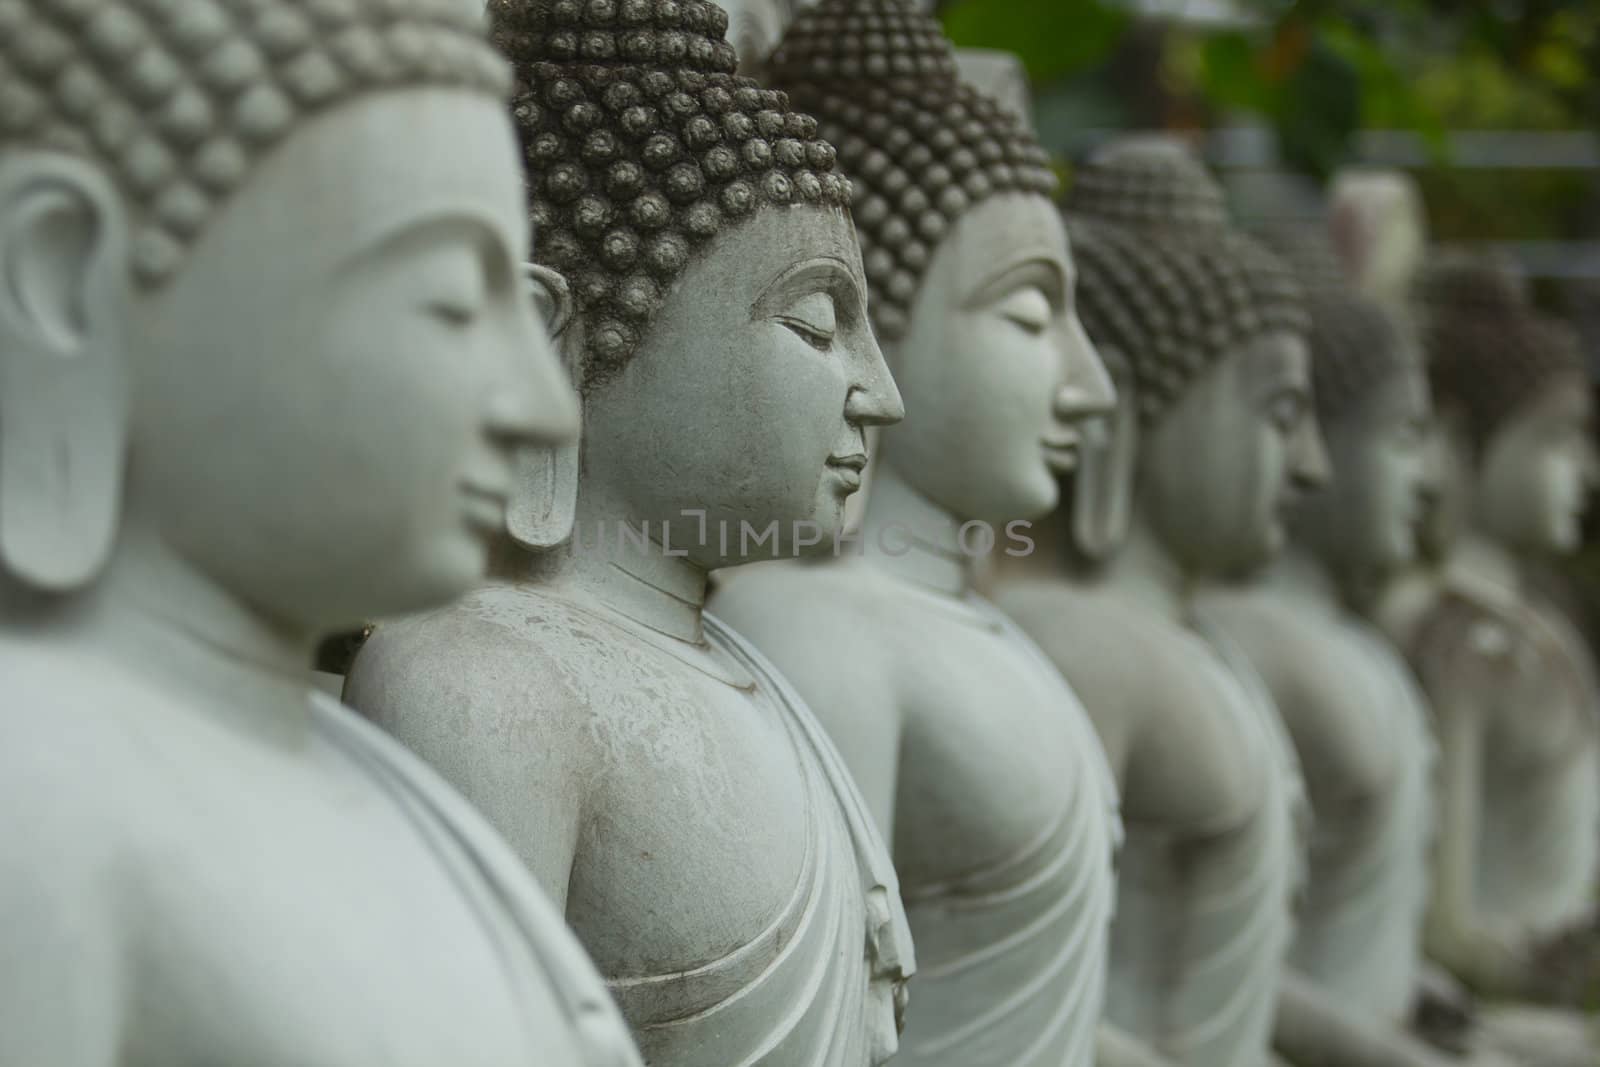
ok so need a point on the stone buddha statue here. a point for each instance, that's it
(1187, 485)
(241, 244)
(1379, 228)
(1348, 699)
(1512, 686)
(1195, 956)
(669, 788)
(976, 760)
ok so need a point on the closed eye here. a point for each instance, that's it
(1285, 411)
(1028, 308)
(813, 319)
(809, 334)
(453, 314)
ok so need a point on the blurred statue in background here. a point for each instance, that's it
(977, 761)
(265, 356)
(1379, 227)
(1205, 332)
(1344, 692)
(668, 787)
(755, 27)
(1512, 686)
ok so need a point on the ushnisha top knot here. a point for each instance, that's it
(1489, 351)
(864, 41)
(1141, 182)
(1356, 345)
(677, 34)
(1170, 293)
(1476, 284)
(920, 145)
(642, 145)
(179, 99)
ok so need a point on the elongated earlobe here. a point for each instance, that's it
(1102, 490)
(545, 500)
(63, 380)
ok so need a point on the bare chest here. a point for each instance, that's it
(992, 757)
(709, 814)
(284, 918)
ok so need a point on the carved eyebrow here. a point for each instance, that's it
(822, 274)
(466, 225)
(1271, 375)
(1046, 273)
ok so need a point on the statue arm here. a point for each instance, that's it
(1114, 1048)
(1313, 1029)
(1454, 934)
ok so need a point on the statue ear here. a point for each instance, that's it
(1102, 491)
(551, 295)
(545, 499)
(63, 380)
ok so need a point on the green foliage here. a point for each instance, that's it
(1053, 38)
(1321, 70)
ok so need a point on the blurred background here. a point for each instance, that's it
(1493, 106)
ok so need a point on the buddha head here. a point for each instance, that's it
(263, 308)
(1372, 404)
(1514, 409)
(971, 277)
(1211, 329)
(1380, 232)
(703, 268)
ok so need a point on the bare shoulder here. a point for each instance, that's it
(815, 610)
(1095, 637)
(1158, 693)
(1334, 682)
(1466, 643)
(84, 775)
(503, 667)
(822, 626)
(73, 785)
(1302, 656)
(840, 592)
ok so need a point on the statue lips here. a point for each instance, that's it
(484, 507)
(849, 469)
(1061, 450)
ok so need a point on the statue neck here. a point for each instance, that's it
(1147, 572)
(900, 518)
(155, 615)
(1301, 573)
(661, 592)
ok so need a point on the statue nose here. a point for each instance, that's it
(874, 398)
(1312, 467)
(1086, 388)
(532, 400)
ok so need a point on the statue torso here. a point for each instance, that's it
(1539, 816)
(1004, 812)
(1208, 866)
(320, 900)
(715, 878)
(1360, 726)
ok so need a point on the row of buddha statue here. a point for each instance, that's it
(1120, 645)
